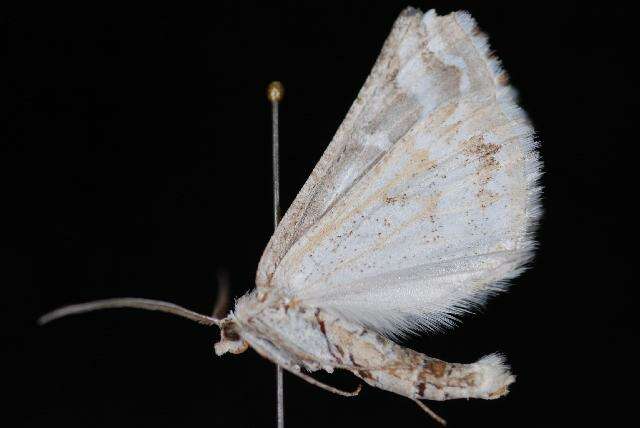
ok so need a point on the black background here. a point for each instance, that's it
(137, 162)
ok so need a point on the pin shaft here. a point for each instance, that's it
(275, 92)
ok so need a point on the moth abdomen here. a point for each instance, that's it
(384, 364)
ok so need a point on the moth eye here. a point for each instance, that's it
(230, 331)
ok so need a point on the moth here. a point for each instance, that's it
(423, 205)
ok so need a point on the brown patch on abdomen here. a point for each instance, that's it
(365, 374)
(421, 388)
(436, 367)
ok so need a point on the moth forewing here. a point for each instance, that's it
(442, 215)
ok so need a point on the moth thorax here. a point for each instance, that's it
(230, 338)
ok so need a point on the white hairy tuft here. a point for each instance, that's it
(495, 376)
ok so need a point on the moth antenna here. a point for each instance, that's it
(128, 302)
(222, 301)
(324, 386)
(430, 412)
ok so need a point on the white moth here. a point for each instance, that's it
(422, 206)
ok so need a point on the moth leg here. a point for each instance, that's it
(222, 301)
(287, 365)
(324, 386)
(430, 412)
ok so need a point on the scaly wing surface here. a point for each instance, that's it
(424, 202)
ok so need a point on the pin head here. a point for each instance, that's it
(275, 92)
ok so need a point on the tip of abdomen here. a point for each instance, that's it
(494, 376)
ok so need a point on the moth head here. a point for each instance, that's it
(230, 337)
